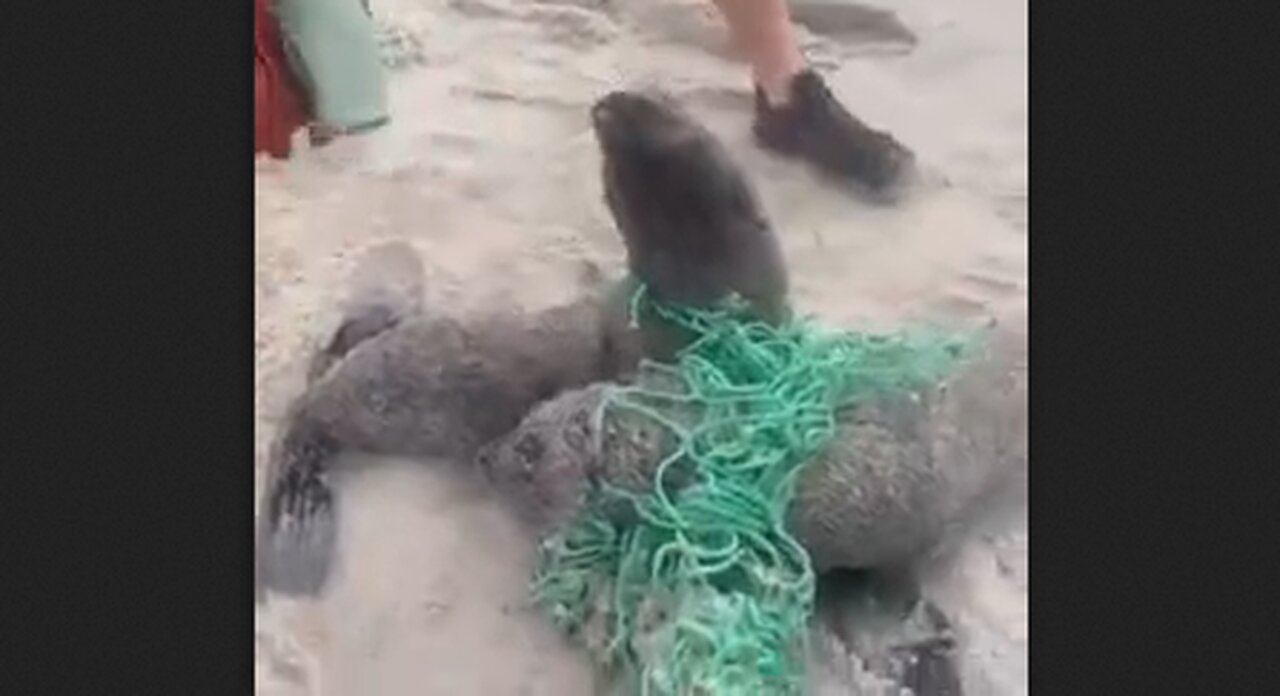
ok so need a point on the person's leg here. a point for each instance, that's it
(795, 112)
(761, 31)
(332, 45)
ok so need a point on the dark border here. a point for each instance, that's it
(1151, 487)
(128, 417)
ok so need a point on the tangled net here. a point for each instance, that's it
(700, 589)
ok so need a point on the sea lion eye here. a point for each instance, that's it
(530, 448)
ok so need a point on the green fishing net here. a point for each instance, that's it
(701, 589)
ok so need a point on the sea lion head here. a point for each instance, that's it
(639, 123)
(694, 229)
(544, 465)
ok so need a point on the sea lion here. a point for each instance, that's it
(907, 475)
(904, 472)
(394, 380)
(693, 226)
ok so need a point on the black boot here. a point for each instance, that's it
(814, 126)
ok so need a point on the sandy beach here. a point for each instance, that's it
(491, 171)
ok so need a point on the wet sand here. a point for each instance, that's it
(491, 172)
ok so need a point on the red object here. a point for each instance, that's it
(277, 103)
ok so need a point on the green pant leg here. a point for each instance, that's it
(333, 48)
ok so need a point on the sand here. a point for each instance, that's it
(491, 172)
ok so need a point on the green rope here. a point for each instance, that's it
(701, 589)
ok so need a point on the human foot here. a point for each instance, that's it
(814, 126)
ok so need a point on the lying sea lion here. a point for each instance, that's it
(394, 380)
(907, 474)
(904, 472)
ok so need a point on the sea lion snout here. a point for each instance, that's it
(632, 119)
(619, 111)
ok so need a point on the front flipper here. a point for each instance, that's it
(355, 329)
(896, 633)
(386, 287)
(297, 531)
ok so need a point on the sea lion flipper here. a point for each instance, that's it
(929, 665)
(385, 288)
(297, 530)
(884, 618)
(358, 326)
(295, 556)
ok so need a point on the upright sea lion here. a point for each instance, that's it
(694, 229)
